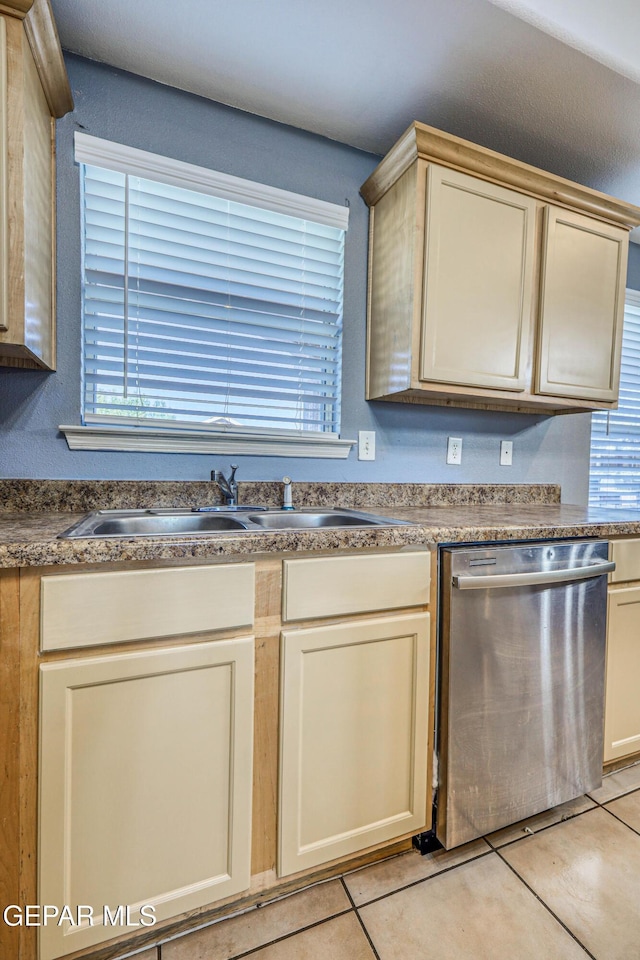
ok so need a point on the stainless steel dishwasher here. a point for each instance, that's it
(521, 683)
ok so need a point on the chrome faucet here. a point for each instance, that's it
(228, 485)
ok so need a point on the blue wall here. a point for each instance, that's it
(633, 273)
(411, 439)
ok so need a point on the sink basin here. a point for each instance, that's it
(182, 522)
(294, 520)
(148, 523)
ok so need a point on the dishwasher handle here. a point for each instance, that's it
(533, 578)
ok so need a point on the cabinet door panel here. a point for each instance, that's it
(87, 609)
(334, 586)
(353, 759)
(145, 784)
(479, 263)
(622, 709)
(581, 306)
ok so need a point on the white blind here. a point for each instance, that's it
(202, 310)
(614, 478)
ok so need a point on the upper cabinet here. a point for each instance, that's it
(491, 283)
(34, 90)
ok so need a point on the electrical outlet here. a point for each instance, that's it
(506, 453)
(454, 450)
(366, 445)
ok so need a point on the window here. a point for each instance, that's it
(614, 479)
(211, 306)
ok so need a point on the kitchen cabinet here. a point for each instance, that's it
(491, 283)
(145, 784)
(159, 758)
(622, 704)
(354, 708)
(33, 91)
(145, 755)
(353, 762)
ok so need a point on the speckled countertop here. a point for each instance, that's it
(34, 513)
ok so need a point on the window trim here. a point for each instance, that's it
(247, 442)
(185, 439)
(116, 156)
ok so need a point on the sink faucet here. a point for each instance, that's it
(228, 485)
(287, 502)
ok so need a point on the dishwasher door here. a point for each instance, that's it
(521, 683)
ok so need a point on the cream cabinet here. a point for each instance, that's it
(146, 755)
(583, 278)
(354, 710)
(622, 703)
(145, 786)
(33, 91)
(193, 735)
(468, 277)
(491, 283)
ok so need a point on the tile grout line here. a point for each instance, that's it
(414, 883)
(359, 919)
(618, 796)
(619, 819)
(547, 826)
(288, 936)
(545, 905)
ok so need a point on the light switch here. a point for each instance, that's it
(506, 453)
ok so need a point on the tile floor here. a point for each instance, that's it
(564, 884)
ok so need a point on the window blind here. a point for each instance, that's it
(614, 478)
(202, 310)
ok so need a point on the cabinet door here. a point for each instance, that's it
(479, 265)
(622, 705)
(145, 785)
(353, 750)
(581, 306)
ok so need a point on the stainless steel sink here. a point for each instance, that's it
(198, 521)
(151, 523)
(294, 520)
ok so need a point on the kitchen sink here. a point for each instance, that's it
(294, 520)
(205, 520)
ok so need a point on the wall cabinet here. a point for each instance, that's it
(33, 91)
(483, 289)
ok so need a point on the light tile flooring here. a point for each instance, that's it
(564, 884)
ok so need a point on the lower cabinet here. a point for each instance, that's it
(622, 709)
(145, 786)
(353, 737)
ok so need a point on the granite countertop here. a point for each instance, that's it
(447, 514)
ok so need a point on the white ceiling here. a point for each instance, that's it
(553, 82)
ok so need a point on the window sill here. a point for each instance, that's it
(243, 443)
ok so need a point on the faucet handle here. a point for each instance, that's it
(232, 475)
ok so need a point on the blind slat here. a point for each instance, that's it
(614, 475)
